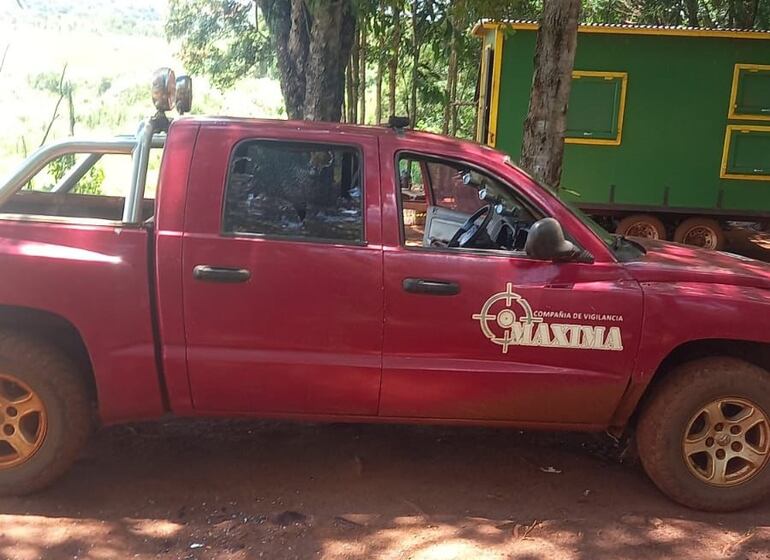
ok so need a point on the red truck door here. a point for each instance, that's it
(489, 334)
(282, 271)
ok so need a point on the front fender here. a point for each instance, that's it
(679, 313)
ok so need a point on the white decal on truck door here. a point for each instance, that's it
(507, 319)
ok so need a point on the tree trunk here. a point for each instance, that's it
(55, 114)
(354, 79)
(362, 75)
(543, 141)
(453, 92)
(312, 43)
(393, 62)
(415, 65)
(451, 80)
(330, 44)
(746, 13)
(378, 81)
(692, 13)
(71, 107)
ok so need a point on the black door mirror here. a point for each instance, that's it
(546, 242)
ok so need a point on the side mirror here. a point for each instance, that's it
(546, 242)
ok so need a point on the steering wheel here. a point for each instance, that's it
(470, 230)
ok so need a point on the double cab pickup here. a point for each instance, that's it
(328, 272)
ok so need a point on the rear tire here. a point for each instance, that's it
(691, 441)
(642, 225)
(45, 413)
(701, 232)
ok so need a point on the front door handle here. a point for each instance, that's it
(220, 274)
(432, 287)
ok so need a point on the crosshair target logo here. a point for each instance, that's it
(501, 312)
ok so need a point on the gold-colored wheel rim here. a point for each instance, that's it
(727, 442)
(23, 422)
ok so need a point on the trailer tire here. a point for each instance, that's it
(703, 434)
(642, 225)
(701, 232)
(46, 414)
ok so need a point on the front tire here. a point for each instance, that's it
(704, 434)
(45, 414)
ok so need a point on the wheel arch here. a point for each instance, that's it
(55, 330)
(757, 353)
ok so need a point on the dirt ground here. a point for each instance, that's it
(243, 490)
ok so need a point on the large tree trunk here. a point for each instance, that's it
(543, 142)
(312, 43)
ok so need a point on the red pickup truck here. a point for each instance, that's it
(330, 272)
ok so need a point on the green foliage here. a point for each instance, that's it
(221, 39)
(59, 167)
(92, 182)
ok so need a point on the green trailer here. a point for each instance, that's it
(668, 129)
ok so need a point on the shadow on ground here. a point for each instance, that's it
(269, 490)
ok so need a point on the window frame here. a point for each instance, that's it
(735, 89)
(621, 111)
(448, 160)
(358, 149)
(724, 172)
(56, 219)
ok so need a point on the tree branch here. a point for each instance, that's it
(56, 107)
(5, 54)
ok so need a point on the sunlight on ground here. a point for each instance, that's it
(26, 537)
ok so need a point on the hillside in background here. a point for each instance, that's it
(110, 49)
(137, 17)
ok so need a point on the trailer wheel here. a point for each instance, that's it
(704, 434)
(641, 225)
(701, 232)
(45, 413)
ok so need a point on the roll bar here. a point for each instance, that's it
(137, 146)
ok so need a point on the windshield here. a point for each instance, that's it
(623, 248)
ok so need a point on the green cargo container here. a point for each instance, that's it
(668, 129)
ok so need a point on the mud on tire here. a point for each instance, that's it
(45, 413)
(703, 434)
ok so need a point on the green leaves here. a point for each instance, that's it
(221, 39)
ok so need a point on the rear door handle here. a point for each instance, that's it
(220, 274)
(432, 287)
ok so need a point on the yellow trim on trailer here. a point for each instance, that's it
(623, 76)
(494, 102)
(731, 114)
(634, 30)
(723, 173)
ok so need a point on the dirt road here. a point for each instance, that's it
(263, 490)
(240, 490)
